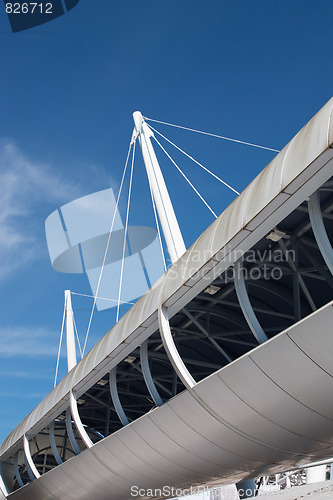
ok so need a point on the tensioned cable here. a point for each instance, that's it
(157, 224)
(186, 178)
(125, 234)
(100, 298)
(107, 246)
(195, 161)
(213, 135)
(60, 342)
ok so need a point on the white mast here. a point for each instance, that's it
(173, 236)
(70, 337)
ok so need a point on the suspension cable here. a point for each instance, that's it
(186, 178)
(213, 135)
(107, 246)
(195, 161)
(100, 298)
(59, 348)
(125, 234)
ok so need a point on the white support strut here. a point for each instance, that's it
(171, 349)
(245, 304)
(70, 432)
(77, 420)
(70, 335)
(166, 214)
(148, 378)
(54, 444)
(115, 397)
(17, 470)
(319, 230)
(3, 487)
(30, 466)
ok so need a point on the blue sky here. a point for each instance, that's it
(253, 70)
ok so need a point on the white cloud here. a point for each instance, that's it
(24, 178)
(20, 395)
(29, 192)
(25, 374)
(28, 341)
(25, 187)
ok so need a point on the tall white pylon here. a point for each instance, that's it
(70, 337)
(172, 234)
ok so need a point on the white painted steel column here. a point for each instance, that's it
(71, 362)
(70, 337)
(169, 223)
(176, 248)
